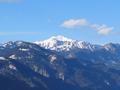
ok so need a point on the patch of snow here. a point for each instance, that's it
(29, 57)
(13, 57)
(19, 43)
(23, 49)
(2, 58)
(52, 58)
(70, 56)
(43, 72)
(12, 67)
(35, 68)
(61, 76)
(7, 44)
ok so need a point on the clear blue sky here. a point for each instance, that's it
(32, 20)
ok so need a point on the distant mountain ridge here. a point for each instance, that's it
(59, 63)
(61, 43)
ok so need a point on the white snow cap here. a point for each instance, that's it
(61, 43)
(60, 37)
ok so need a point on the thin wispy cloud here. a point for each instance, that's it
(18, 33)
(102, 29)
(72, 23)
(9, 1)
(76, 23)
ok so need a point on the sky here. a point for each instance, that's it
(95, 21)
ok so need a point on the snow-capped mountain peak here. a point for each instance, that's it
(61, 43)
(59, 38)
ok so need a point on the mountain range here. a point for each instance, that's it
(59, 63)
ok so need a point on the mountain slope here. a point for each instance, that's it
(80, 49)
(31, 67)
